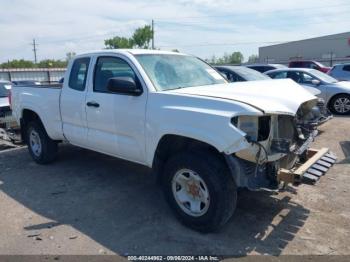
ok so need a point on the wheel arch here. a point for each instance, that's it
(330, 101)
(335, 95)
(171, 144)
(27, 116)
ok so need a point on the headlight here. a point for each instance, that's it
(316, 112)
(257, 128)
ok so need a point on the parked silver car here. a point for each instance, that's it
(242, 74)
(336, 94)
(341, 72)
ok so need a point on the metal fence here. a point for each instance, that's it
(37, 74)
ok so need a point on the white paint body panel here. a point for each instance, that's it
(271, 96)
(131, 127)
(43, 101)
(4, 101)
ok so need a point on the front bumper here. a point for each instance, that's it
(316, 164)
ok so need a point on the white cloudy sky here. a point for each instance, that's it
(200, 27)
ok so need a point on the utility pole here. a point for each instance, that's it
(331, 63)
(34, 50)
(152, 34)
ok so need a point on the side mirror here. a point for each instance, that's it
(315, 82)
(124, 86)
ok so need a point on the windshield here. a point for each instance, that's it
(323, 77)
(178, 71)
(5, 89)
(250, 74)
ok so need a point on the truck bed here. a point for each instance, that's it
(44, 99)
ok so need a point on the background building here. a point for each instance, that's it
(328, 49)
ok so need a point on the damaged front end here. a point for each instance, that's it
(279, 151)
(314, 114)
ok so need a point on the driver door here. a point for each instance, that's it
(116, 122)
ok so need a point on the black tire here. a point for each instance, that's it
(48, 146)
(222, 189)
(334, 100)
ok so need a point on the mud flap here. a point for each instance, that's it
(317, 164)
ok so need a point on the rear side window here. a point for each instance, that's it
(279, 75)
(109, 67)
(313, 66)
(346, 68)
(231, 77)
(268, 68)
(296, 64)
(260, 69)
(78, 74)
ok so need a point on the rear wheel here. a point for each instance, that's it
(340, 104)
(200, 189)
(41, 147)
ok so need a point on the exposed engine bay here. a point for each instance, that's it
(277, 141)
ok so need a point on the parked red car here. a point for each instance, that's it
(309, 64)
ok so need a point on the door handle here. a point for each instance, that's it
(93, 104)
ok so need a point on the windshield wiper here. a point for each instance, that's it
(179, 87)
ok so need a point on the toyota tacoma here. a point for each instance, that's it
(175, 114)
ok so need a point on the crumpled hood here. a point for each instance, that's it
(282, 96)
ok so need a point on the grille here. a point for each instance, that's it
(5, 111)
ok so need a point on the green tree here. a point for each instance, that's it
(142, 37)
(21, 63)
(29, 64)
(47, 63)
(118, 42)
(253, 59)
(236, 58)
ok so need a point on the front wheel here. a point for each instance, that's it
(200, 189)
(340, 104)
(41, 147)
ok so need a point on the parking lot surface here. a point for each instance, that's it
(89, 203)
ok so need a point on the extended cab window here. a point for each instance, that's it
(108, 67)
(77, 78)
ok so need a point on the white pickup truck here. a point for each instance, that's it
(172, 112)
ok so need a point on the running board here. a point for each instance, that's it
(317, 164)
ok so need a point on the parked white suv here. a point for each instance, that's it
(177, 115)
(341, 72)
